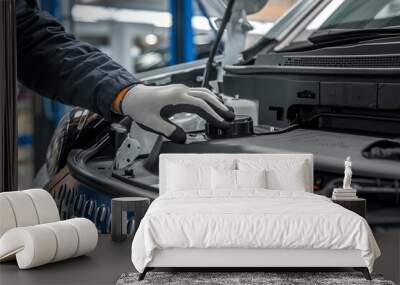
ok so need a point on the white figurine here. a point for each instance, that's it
(347, 174)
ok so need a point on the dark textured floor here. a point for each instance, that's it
(388, 264)
(243, 278)
(106, 264)
(102, 266)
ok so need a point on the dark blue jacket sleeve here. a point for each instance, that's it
(56, 65)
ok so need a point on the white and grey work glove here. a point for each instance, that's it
(152, 106)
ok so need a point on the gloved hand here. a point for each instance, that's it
(152, 106)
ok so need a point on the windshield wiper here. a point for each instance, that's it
(337, 37)
(351, 35)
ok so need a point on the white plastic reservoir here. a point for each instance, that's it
(243, 107)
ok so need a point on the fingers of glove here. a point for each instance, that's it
(167, 129)
(213, 101)
(207, 112)
(195, 106)
(208, 96)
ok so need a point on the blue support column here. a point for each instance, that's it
(54, 110)
(51, 6)
(182, 48)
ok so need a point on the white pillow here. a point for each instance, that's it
(231, 180)
(223, 179)
(251, 178)
(183, 177)
(288, 178)
(282, 174)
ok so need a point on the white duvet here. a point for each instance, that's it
(250, 219)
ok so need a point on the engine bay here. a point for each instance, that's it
(334, 95)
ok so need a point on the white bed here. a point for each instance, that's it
(198, 223)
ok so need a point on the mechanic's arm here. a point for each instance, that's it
(56, 65)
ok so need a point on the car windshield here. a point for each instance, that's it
(353, 14)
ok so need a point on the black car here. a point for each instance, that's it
(324, 80)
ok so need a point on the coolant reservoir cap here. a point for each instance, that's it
(240, 127)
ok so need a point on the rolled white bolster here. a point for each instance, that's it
(40, 244)
(7, 218)
(67, 240)
(23, 208)
(87, 235)
(33, 246)
(45, 205)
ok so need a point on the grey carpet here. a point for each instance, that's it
(242, 278)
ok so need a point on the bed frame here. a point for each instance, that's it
(246, 258)
(243, 259)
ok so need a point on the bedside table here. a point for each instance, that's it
(119, 213)
(358, 206)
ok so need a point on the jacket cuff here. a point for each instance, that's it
(111, 87)
(116, 104)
